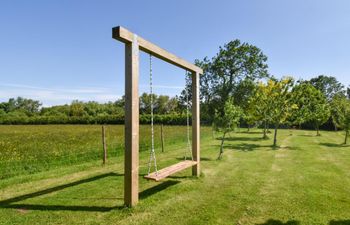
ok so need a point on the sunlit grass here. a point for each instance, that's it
(304, 181)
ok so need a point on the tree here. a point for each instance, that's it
(226, 121)
(161, 102)
(304, 95)
(77, 109)
(319, 110)
(27, 106)
(145, 103)
(243, 93)
(342, 110)
(328, 85)
(312, 105)
(281, 102)
(259, 106)
(235, 62)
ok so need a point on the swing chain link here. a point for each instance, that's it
(152, 156)
(188, 119)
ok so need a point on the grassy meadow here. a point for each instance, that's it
(32, 149)
(53, 175)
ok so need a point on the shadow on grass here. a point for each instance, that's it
(11, 203)
(306, 135)
(295, 222)
(241, 138)
(155, 189)
(333, 145)
(242, 147)
(61, 207)
(278, 222)
(8, 203)
(250, 132)
(249, 147)
(189, 158)
(339, 222)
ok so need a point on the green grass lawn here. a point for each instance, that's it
(304, 181)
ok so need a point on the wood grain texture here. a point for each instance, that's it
(133, 44)
(163, 173)
(131, 161)
(195, 124)
(123, 35)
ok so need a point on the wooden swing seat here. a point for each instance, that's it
(167, 171)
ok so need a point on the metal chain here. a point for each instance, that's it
(152, 155)
(188, 119)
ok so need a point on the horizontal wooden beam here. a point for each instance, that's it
(124, 35)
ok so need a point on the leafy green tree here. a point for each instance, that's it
(312, 105)
(2, 112)
(319, 110)
(77, 109)
(328, 85)
(226, 121)
(303, 95)
(28, 106)
(342, 110)
(145, 103)
(259, 106)
(161, 103)
(235, 62)
(281, 102)
(172, 105)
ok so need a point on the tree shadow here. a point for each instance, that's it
(11, 203)
(155, 189)
(339, 222)
(307, 135)
(189, 158)
(250, 132)
(278, 222)
(246, 147)
(61, 207)
(333, 145)
(241, 138)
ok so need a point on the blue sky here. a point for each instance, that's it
(58, 51)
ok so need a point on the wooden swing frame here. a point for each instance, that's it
(133, 45)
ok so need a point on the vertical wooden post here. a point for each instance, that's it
(131, 161)
(104, 144)
(195, 124)
(162, 136)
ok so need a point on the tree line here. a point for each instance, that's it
(236, 90)
(168, 110)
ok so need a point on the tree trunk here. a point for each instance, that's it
(248, 127)
(264, 130)
(346, 137)
(318, 130)
(222, 146)
(275, 136)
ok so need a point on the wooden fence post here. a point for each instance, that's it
(104, 144)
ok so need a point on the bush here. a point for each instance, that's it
(22, 119)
